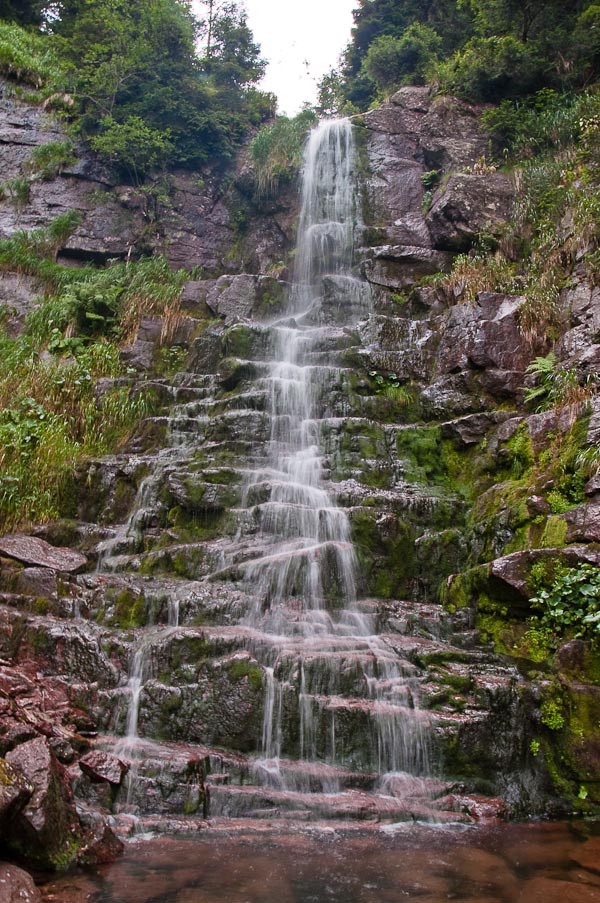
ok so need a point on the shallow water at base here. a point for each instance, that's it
(517, 863)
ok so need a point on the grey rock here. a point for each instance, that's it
(103, 767)
(31, 550)
(402, 266)
(467, 205)
(48, 824)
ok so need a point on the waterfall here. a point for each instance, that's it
(305, 536)
(304, 579)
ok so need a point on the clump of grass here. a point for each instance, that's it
(48, 160)
(27, 56)
(477, 272)
(50, 420)
(276, 150)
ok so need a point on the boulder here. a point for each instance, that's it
(17, 886)
(467, 205)
(34, 551)
(47, 829)
(401, 266)
(103, 767)
(15, 791)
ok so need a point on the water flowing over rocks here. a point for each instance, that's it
(247, 622)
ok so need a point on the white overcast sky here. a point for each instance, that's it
(301, 39)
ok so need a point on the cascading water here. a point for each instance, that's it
(312, 629)
(307, 537)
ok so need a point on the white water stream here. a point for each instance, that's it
(304, 581)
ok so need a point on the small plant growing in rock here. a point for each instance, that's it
(572, 604)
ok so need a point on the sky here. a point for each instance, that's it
(302, 40)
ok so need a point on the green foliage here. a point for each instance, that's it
(49, 419)
(110, 302)
(47, 160)
(572, 603)
(552, 715)
(487, 69)
(32, 252)
(27, 56)
(276, 150)
(145, 95)
(393, 61)
(555, 385)
(133, 146)
(17, 191)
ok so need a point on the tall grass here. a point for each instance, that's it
(27, 56)
(50, 420)
(276, 150)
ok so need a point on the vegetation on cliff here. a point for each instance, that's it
(483, 50)
(148, 84)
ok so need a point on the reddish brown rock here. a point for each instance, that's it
(103, 767)
(47, 830)
(549, 890)
(17, 886)
(15, 791)
(34, 551)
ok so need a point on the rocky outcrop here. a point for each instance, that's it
(449, 485)
(428, 183)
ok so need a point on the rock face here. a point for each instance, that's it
(143, 641)
(31, 550)
(47, 829)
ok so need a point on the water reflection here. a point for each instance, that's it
(529, 863)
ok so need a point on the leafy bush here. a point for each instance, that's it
(572, 604)
(27, 56)
(492, 68)
(133, 146)
(392, 61)
(276, 150)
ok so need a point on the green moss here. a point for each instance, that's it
(555, 533)
(238, 341)
(241, 668)
(129, 608)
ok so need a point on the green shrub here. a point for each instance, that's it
(276, 150)
(492, 68)
(572, 603)
(392, 61)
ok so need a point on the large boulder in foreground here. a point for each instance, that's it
(17, 886)
(47, 831)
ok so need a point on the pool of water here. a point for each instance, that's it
(509, 863)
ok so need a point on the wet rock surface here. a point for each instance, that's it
(148, 606)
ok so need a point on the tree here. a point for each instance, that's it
(24, 12)
(390, 61)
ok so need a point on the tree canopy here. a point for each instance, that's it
(482, 49)
(153, 84)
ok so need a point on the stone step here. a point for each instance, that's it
(352, 805)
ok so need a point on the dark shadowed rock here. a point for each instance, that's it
(47, 830)
(400, 266)
(103, 767)
(583, 523)
(31, 550)
(17, 886)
